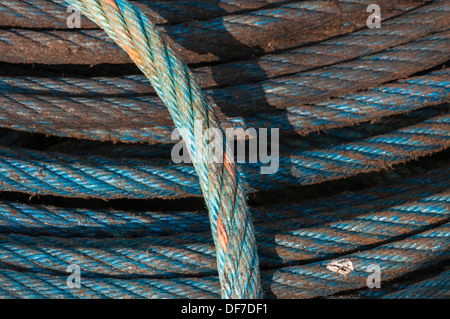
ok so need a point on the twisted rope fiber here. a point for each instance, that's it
(395, 98)
(334, 136)
(399, 30)
(34, 172)
(237, 259)
(52, 13)
(212, 291)
(148, 120)
(71, 222)
(193, 253)
(198, 42)
(305, 281)
(430, 287)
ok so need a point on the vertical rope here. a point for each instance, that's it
(232, 229)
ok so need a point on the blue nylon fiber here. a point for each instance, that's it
(61, 174)
(87, 178)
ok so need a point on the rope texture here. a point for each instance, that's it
(232, 229)
(402, 29)
(431, 287)
(72, 222)
(305, 281)
(146, 118)
(402, 225)
(48, 173)
(197, 42)
(399, 30)
(52, 13)
(193, 254)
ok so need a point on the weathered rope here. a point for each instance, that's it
(360, 75)
(237, 259)
(435, 286)
(193, 254)
(199, 42)
(56, 114)
(399, 30)
(304, 281)
(401, 229)
(72, 222)
(52, 13)
(34, 172)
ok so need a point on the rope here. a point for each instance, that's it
(57, 115)
(77, 222)
(52, 13)
(304, 281)
(402, 227)
(34, 172)
(146, 119)
(395, 259)
(432, 288)
(193, 254)
(237, 259)
(399, 30)
(429, 286)
(197, 42)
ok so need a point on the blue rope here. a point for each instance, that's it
(76, 222)
(145, 118)
(402, 226)
(64, 175)
(395, 259)
(354, 45)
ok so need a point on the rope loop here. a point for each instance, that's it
(222, 187)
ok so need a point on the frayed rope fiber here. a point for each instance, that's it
(232, 229)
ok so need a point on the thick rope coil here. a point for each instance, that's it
(396, 31)
(192, 254)
(36, 172)
(52, 13)
(394, 231)
(399, 30)
(219, 39)
(57, 115)
(237, 259)
(397, 218)
(435, 286)
(148, 120)
(77, 222)
(311, 280)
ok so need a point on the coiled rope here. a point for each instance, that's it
(146, 119)
(55, 221)
(193, 254)
(51, 13)
(398, 30)
(237, 259)
(197, 42)
(56, 115)
(304, 281)
(92, 176)
(434, 287)
(402, 226)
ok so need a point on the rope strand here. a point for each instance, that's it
(222, 188)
